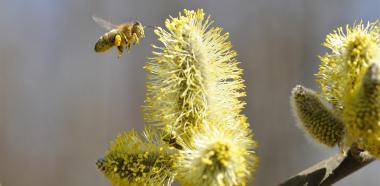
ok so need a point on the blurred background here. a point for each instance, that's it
(61, 103)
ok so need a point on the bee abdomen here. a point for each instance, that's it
(105, 42)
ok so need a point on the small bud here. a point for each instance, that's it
(315, 117)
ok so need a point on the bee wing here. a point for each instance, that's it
(103, 23)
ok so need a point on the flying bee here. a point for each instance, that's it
(123, 35)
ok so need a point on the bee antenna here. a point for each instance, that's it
(149, 26)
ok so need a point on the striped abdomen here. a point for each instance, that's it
(106, 41)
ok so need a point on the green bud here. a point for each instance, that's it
(315, 117)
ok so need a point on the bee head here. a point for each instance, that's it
(138, 28)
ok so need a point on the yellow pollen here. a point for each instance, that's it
(117, 40)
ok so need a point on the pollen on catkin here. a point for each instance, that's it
(362, 113)
(139, 159)
(193, 76)
(315, 117)
(352, 51)
(218, 156)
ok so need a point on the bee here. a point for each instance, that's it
(123, 35)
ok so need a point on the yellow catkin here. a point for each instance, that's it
(349, 80)
(193, 76)
(193, 90)
(193, 96)
(218, 155)
(362, 113)
(352, 51)
(134, 159)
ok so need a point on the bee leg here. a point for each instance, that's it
(136, 38)
(124, 37)
(120, 50)
(128, 46)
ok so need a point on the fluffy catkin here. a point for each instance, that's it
(193, 90)
(218, 155)
(193, 77)
(348, 77)
(362, 113)
(134, 159)
(352, 51)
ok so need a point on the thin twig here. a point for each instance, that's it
(331, 170)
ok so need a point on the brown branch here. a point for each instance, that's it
(331, 170)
